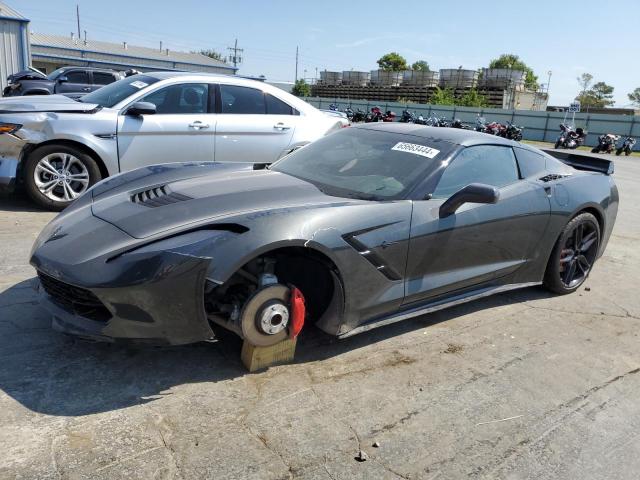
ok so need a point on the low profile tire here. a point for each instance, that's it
(573, 255)
(55, 175)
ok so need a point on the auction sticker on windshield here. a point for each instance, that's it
(416, 149)
(138, 84)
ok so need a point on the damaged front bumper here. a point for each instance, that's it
(152, 294)
(11, 148)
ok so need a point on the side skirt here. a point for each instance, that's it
(434, 307)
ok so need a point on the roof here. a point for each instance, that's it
(456, 136)
(7, 12)
(59, 41)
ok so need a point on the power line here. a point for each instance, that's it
(235, 58)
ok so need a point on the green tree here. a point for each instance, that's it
(420, 66)
(301, 88)
(513, 62)
(635, 97)
(600, 95)
(213, 54)
(472, 98)
(443, 96)
(393, 62)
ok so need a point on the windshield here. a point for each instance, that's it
(115, 92)
(366, 164)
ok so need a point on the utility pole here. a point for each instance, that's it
(296, 63)
(234, 57)
(78, 19)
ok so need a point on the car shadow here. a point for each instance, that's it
(18, 202)
(54, 374)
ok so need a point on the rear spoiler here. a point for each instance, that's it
(582, 160)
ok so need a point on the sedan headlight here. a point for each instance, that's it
(9, 127)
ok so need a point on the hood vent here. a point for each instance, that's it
(553, 176)
(157, 197)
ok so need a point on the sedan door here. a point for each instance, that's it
(253, 126)
(479, 243)
(181, 130)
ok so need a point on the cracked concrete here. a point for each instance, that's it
(537, 387)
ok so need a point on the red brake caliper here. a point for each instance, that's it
(297, 312)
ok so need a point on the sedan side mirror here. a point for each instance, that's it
(472, 193)
(141, 108)
(63, 79)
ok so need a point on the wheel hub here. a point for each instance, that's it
(265, 316)
(273, 318)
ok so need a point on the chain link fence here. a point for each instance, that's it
(538, 126)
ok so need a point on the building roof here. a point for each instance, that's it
(64, 42)
(7, 12)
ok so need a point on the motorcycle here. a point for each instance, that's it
(627, 146)
(495, 128)
(606, 143)
(420, 120)
(570, 138)
(457, 123)
(349, 112)
(407, 117)
(358, 116)
(481, 124)
(388, 116)
(375, 115)
(333, 107)
(513, 132)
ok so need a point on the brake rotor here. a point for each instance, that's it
(265, 316)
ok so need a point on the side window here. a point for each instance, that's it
(102, 78)
(531, 163)
(184, 98)
(242, 100)
(77, 76)
(489, 164)
(276, 106)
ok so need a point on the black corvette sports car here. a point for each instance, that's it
(365, 227)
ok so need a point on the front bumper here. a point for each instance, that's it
(149, 295)
(11, 148)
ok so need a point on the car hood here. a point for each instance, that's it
(45, 103)
(168, 199)
(26, 75)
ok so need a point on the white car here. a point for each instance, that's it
(58, 147)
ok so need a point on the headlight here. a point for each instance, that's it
(9, 127)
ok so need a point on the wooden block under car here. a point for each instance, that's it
(256, 358)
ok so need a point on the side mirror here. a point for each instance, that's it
(472, 193)
(141, 108)
(63, 79)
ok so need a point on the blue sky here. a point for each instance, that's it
(568, 38)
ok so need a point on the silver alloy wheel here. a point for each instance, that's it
(61, 177)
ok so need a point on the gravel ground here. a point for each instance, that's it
(521, 385)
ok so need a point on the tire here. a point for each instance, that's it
(80, 173)
(627, 153)
(618, 151)
(558, 276)
(595, 150)
(557, 145)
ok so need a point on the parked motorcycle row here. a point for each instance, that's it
(571, 139)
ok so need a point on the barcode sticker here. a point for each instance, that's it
(416, 149)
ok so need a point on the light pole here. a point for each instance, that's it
(548, 83)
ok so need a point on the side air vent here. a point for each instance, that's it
(157, 197)
(553, 176)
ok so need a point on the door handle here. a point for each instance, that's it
(87, 89)
(281, 126)
(198, 125)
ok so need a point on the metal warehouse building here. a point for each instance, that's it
(14, 43)
(49, 52)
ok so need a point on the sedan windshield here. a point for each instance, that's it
(366, 164)
(115, 92)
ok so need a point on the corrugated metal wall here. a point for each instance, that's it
(13, 50)
(539, 126)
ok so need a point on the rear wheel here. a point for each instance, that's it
(574, 254)
(618, 151)
(55, 175)
(595, 150)
(557, 145)
(627, 152)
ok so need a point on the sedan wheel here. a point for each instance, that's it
(61, 177)
(574, 254)
(55, 175)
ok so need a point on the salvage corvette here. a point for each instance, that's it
(365, 227)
